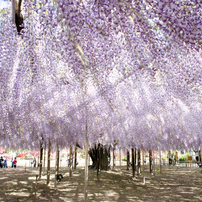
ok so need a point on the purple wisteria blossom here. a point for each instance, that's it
(119, 70)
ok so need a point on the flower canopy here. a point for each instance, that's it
(117, 70)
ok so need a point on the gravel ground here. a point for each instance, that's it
(176, 183)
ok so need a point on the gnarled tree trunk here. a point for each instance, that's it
(103, 153)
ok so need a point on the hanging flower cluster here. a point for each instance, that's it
(117, 70)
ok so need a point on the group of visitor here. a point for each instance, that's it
(3, 162)
(173, 158)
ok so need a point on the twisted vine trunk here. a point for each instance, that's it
(104, 157)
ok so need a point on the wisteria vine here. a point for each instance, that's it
(121, 70)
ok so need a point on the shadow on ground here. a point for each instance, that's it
(175, 184)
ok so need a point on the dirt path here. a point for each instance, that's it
(175, 184)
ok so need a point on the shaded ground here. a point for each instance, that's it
(175, 184)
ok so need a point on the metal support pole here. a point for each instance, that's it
(133, 162)
(48, 164)
(70, 162)
(143, 167)
(75, 159)
(160, 162)
(113, 156)
(86, 170)
(128, 159)
(120, 157)
(41, 156)
(153, 164)
(13, 11)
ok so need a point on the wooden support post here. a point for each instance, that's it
(120, 157)
(41, 157)
(38, 164)
(128, 159)
(44, 160)
(75, 159)
(58, 158)
(153, 164)
(98, 163)
(56, 164)
(133, 162)
(135, 159)
(160, 161)
(48, 164)
(139, 163)
(70, 162)
(113, 156)
(150, 161)
(86, 168)
(143, 167)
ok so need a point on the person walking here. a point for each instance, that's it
(5, 163)
(169, 158)
(12, 163)
(176, 158)
(15, 163)
(34, 161)
(196, 156)
(1, 162)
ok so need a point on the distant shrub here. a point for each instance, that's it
(124, 159)
(182, 159)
